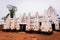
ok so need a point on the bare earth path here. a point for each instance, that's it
(28, 36)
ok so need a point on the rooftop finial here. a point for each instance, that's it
(51, 9)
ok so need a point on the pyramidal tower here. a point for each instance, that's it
(53, 18)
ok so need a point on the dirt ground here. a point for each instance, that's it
(28, 36)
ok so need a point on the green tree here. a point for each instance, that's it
(12, 9)
(5, 17)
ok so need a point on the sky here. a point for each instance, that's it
(26, 6)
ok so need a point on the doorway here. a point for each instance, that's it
(59, 25)
(40, 23)
(22, 27)
(53, 26)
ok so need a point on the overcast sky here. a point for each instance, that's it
(26, 6)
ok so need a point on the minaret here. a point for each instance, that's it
(36, 22)
(7, 24)
(29, 15)
(23, 18)
(13, 23)
(28, 22)
(51, 13)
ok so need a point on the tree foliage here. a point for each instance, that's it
(12, 9)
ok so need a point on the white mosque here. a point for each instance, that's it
(45, 23)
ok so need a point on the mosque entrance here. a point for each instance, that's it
(23, 27)
(53, 26)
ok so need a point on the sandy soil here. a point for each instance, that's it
(28, 36)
